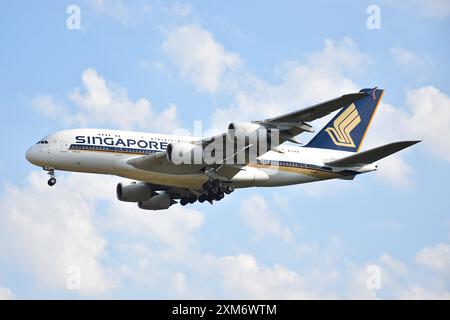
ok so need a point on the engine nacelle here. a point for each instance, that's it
(188, 153)
(133, 192)
(159, 202)
(243, 129)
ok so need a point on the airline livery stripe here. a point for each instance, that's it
(289, 165)
(83, 147)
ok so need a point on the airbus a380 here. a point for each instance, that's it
(171, 168)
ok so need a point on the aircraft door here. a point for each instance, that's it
(63, 146)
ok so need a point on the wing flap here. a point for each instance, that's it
(372, 155)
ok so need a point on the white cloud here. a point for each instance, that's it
(416, 292)
(321, 76)
(392, 276)
(438, 9)
(407, 58)
(6, 294)
(430, 119)
(257, 215)
(426, 117)
(181, 9)
(100, 102)
(173, 227)
(244, 278)
(436, 257)
(48, 230)
(126, 13)
(412, 62)
(399, 280)
(394, 265)
(395, 170)
(342, 56)
(356, 285)
(109, 103)
(199, 56)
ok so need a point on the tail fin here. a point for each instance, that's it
(346, 131)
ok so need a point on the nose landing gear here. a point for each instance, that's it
(51, 182)
(51, 172)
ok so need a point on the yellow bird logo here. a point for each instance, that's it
(343, 125)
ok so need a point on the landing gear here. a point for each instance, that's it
(216, 190)
(212, 190)
(202, 198)
(229, 189)
(190, 199)
(51, 172)
(51, 182)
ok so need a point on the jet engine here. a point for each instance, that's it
(159, 202)
(133, 192)
(243, 129)
(188, 153)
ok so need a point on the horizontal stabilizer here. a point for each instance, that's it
(372, 155)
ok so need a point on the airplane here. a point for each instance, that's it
(165, 172)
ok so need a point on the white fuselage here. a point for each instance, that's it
(107, 152)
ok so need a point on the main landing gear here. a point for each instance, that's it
(213, 189)
(51, 172)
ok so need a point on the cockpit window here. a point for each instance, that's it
(42, 142)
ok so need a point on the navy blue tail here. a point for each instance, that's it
(346, 131)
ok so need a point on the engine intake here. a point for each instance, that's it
(187, 153)
(133, 192)
(242, 129)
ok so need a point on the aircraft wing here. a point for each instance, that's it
(159, 163)
(372, 155)
(317, 111)
(293, 123)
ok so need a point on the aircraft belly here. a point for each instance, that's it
(82, 162)
(283, 178)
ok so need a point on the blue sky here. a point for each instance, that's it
(160, 66)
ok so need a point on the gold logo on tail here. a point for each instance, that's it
(343, 125)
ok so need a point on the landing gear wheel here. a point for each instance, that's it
(229, 189)
(192, 199)
(51, 182)
(51, 172)
(183, 202)
(214, 190)
(219, 196)
(207, 185)
(202, 198)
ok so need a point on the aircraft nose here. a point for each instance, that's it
(30, 155)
